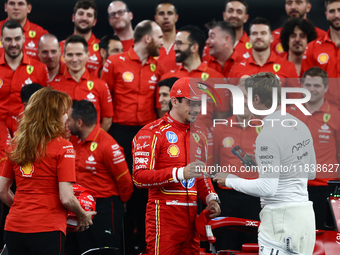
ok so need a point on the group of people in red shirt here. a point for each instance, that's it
(128, 77)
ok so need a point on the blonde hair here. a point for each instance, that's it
(40, 123)
(263, 84)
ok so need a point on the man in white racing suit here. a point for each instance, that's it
(286, 160)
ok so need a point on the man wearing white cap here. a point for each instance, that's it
(166, 154)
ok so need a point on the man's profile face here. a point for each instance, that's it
(316, 88)
(17, 9)
(115, 47)
(260, 37)
(164, 97)
(216, 41)
(49, 52)
(122, 18)
(84, 20)
(71, 123)
(182, 46)
(156, 41)
(75, 57)
(297, 41)
(12, 41)
(333, 15)
(297, 8)
(188, 110)
(166, 17)
(235, 13)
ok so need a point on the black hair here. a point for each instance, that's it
(86, 4)
(85, 111)
(76, 39)
(196, 36)
(28, 90)
(260, 21)
(165, 2)
(226, 27)
(288, 28)
(11, 24)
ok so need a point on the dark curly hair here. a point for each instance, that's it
(288, 28)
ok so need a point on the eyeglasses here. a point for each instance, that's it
(112, 15)
(180, 43)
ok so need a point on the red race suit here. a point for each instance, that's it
(161, 150)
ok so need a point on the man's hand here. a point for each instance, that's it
(194, 169)
(214, 209)
(85, 221)
(220, 178)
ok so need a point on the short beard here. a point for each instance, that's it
(334, 27)
(183, 55)
(153, 49)
(83, 30)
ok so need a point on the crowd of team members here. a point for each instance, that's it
(128, 77)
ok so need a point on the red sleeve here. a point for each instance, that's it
(106, 107)
(107, 73)
(44, 78)
(308, 59)
(204, 185)
(114, 161)
(66, 163)
(7, 171)
(145, 147)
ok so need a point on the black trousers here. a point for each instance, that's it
(134, 221)
(43, 243)
(107, 228)
(318, 195)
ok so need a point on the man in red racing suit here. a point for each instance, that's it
(166, 153)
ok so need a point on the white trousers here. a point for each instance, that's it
(286, 229)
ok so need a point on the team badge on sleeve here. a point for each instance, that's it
(29, 69)
(95, 47)
(93, 146)
(27, 170)
(32, 34)
(326, 117)
(196, 137)
(276, 67)
(152, 67)
(90, 85)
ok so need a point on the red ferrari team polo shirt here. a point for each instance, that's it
(325, 54)
(133, 87)
(284, 70)
(37, 206)
(29, 71)
(88, 88)
(101, 165)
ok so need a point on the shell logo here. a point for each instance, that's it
(173, 151)
(1, 83)
(27, 170)
(128, 76)
(323, 58)
(279, 48)
(228, 142)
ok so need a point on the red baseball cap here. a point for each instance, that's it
(183, 88)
